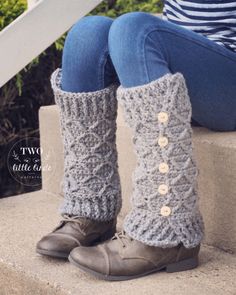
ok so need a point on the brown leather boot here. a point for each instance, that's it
(73, 232)
(123, 258)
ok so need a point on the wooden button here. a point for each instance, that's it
(163, 117)
(165, 211)
(163, 168)
(163, 189)
(162, 141)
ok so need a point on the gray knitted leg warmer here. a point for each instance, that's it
(88, 127)
(165, 208)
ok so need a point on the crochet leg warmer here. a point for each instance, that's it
(88, 125)
(165, 209)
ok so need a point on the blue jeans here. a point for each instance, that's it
(137, 48)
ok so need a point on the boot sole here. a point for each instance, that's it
(53, 254)
(183, 265)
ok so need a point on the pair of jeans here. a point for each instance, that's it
(137, 48)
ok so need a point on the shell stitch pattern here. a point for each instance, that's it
(88, 126)
(145, 222)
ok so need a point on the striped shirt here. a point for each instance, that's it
(215, 19)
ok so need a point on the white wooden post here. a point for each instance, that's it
(31, 3)
(35, 30)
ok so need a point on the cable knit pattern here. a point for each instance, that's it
(88, 127)
(149, 221)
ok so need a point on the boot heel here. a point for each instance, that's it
(182, 265)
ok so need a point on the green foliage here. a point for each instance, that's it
(10, 10)
(21, 98)
(115, 8)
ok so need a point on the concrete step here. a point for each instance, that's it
(23, 221)
(216, 158)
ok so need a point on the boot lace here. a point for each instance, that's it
(121, 237)
(75, 218)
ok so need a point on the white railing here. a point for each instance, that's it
(31, 3)
(36, 29)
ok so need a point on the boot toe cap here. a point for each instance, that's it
(56, 245)
(91, 258)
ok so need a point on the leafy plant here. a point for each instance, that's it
(10, 10)
(114, 8)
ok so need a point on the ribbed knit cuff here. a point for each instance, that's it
(101, 208)
(85, 105)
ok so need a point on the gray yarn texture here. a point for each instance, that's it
(145, 222)
(88, 126)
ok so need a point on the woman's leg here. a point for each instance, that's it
(86, 64)
(164, 228)
(151, 47)
(85, 92)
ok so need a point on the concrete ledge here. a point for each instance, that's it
(216, 158)
(23, 221)
(50, 138)
(215, 153)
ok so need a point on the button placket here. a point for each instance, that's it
(163, 189)
(162, 141)
(165, 211)
(163, 117)
(163, 167)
